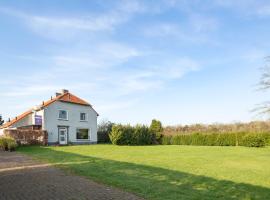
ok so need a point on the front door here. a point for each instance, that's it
(62, 136)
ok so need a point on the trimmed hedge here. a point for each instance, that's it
(128, 135)
(215, 139)
(7, 144)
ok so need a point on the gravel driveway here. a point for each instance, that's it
(23, 178)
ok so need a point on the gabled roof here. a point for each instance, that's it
(66, 97)
(16, 119)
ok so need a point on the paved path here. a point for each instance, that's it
(23, 178)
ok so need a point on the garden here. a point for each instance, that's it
(167, 171)
(156, 162)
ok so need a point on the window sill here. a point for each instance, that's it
(62, 119)
(83, 140)
(83, 120)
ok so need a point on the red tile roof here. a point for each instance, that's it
(66, 97)
(16, 119)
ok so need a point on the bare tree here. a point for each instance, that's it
(264, 85)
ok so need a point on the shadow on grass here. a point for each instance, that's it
(148, 181)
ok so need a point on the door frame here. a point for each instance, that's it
(67, 134)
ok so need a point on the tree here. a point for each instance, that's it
(104, 129)
(264, 85)
(1, 120)
(156, 129)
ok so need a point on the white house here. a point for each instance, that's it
(67, 119)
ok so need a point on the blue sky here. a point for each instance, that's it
(180, 61)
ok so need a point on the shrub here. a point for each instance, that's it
(3, 143)
(128, 135)
(11, 143)
(7, 143)
(253, 140)
(142, 135)
(228, 139)
(117, 135)
(166, 140)
(215, 139)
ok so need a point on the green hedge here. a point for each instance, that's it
(215, 139)
(7, 144)
(128, 135)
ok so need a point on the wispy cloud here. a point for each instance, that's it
(116, 105)
(103, 55)
(196, 31)
(64, 26)
(259, 8)
(202, 23)
(112, 71)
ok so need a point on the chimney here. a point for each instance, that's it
(57, 94)
(63, 91)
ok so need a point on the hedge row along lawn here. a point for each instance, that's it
(168, 172)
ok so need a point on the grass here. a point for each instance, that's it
(168, 172)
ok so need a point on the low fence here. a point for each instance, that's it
(28, 137)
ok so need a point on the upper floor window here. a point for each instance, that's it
(63, 114)
(83, 117)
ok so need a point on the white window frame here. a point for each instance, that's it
(86, 117)
(62, 118)
(89, 134)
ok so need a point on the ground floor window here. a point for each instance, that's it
(83, 134)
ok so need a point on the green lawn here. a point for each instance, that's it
(168, 172)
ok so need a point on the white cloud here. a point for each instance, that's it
(201, 23)
(116, 105)
(197, 30)
(264, 10)
(65, 27)
(163, 30)
(259, 8)
(103, 67)
(103, 55)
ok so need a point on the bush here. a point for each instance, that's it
(166, 140)
(128, 135)
(215, 139)
(11, 145)
(3, 144)
(7, 144)
(253, 140)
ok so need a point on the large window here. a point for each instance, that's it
(83, 134)
(83, 117)
(63, 114)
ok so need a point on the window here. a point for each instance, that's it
(83, 116)
(63, 114)
(82, 134)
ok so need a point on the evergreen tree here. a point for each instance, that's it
(1, 120)
(156, 129)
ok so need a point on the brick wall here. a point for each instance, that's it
(28, 137)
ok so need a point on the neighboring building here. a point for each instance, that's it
(67, 119)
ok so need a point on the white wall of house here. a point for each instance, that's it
(51, 121)
(23, 122)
